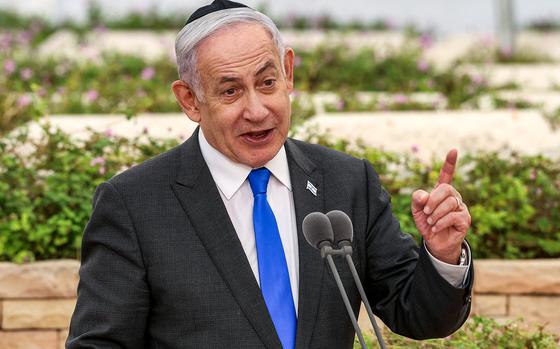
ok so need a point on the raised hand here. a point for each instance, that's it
(441, 216)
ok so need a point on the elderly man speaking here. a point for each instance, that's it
(202, 246)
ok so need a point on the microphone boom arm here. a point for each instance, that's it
(326, 252)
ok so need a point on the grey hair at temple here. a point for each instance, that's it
(195, 32)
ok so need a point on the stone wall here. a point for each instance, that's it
(37, 300)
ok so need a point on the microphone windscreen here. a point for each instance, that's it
(317, 228)
(341, 226)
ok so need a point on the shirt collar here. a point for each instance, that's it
(230, 175)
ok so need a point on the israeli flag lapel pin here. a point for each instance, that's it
(311, 188)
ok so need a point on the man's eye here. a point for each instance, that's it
(269, 82)
(230, 92)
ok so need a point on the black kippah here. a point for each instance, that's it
(216, 5)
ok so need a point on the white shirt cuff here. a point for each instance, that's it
(456, 275)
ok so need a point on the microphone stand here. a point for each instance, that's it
(347, 252)
(327, 252)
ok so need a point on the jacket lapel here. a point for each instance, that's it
(311, 265)
(194, 187)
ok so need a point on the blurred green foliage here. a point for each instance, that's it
(477, 333)
(514, 199)
(46, 184)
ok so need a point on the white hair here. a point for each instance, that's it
(194, 33)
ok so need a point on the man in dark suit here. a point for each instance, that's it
(173, 254)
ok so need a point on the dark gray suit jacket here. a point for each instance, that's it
(162, 266)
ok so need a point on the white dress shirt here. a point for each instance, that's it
(236, 193)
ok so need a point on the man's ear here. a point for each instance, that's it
(289, 67)
(187, 99)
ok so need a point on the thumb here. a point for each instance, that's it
(419, 200)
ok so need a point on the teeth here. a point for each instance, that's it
(257, 134)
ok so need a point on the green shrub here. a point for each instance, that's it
(46, 185)
(122, 84)
(477, 333)
(514, 200)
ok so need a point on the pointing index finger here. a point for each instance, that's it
(448, 169)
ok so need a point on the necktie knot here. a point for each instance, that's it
(258, 178)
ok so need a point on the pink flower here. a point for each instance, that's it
(102, 170)
(148, 73)
(24, 100)
(533, 174)
(26, 74)
(6, 41)
(109, 133)
(400, 99)
(340, 105)
(145, 130)
(25, 37)
(426, 41)
(92, 95)
(97, 161)
(415, 148)
(9, 67)
(478, 80)
(422, 65)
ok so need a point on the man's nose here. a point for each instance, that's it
(255, 109)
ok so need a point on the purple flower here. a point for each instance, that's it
(400, 99)
(24, 100)
(97, 161)
(6, 41)
(148, 73)
(415, 148)
(26, 74)
(145, 130)
(9, 67)
(92, 95)
(422, 65)
(426, 41)
(340, 104)
(25, 37)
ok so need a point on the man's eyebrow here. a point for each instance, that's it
(225, 79)
(266, 66)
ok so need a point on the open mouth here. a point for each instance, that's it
(257, 136)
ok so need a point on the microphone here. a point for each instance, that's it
(318, 232)
(343, 236)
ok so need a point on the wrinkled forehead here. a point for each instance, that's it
(240, 50)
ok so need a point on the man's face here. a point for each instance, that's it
(246, 109)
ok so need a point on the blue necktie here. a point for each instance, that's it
(273, 270)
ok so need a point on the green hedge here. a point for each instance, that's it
(477, 333)
(111, 83)
(46, 185)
